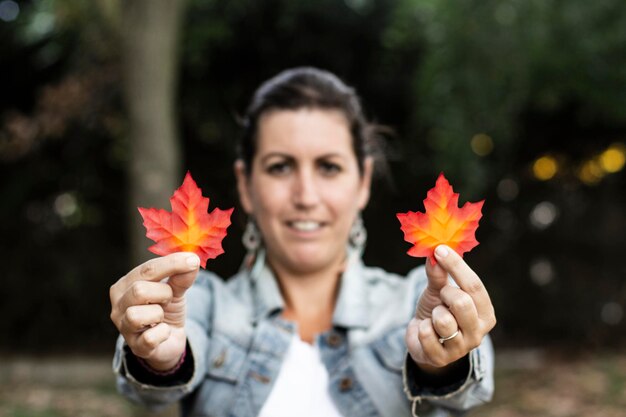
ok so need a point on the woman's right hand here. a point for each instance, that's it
(149, 311)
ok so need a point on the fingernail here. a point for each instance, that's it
(193, 261)
(441, 251)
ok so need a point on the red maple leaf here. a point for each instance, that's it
(442, 223)
(189, 227)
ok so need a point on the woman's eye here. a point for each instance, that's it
(278, 168)
(329, 168)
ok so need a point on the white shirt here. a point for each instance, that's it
(301, 388)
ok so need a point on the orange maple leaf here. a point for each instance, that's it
(442, 223)
(189, 227)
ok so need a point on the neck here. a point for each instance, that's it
(309, 298)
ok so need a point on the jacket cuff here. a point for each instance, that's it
(133, 377)
(141, 371)
(421, 383)
(420, 386)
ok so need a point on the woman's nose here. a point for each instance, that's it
(305, 193)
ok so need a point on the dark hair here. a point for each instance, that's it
(307, 87)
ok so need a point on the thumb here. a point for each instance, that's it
(180, 283)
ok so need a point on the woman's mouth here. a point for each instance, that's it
(305, 225)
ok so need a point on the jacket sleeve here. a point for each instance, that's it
(197, 326)
(474, 387)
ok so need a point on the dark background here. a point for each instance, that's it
(522, 103)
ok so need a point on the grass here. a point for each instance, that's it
(528, 383)
(558, 386)
(25, 412)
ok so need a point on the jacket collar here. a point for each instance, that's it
(351, 309)
(266, 294)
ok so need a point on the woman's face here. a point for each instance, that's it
(304, 188)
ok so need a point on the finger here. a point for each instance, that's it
(140, 318)
(411, 339)
(455, 347)
(466, 278)
(180, 283)
(462, 307)
(429, 339)
(437, 276)
(444, 322)
(148, 341)
(158, 269)
(145, 292)
(452, 349)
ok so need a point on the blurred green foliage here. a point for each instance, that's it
(478, 89)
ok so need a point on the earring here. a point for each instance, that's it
(358, 235)
(251, 238)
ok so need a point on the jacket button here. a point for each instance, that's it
(261, 378)
(219, 360)
(333, 340)
(345, 384)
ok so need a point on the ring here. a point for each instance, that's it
(452, 336)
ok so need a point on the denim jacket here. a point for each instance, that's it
(238, 341)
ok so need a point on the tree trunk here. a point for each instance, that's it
(150, 38)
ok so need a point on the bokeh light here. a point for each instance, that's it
(545, 167)
(541, 271)
(590, 172)
(505, 14)
(481, 144)
(612, 313)
(507, 189)
(9, 10)
(612, 160)
(65, 205)
(543, 215)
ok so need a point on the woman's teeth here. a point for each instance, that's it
(305, 226)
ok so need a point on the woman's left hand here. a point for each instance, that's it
(445, 309)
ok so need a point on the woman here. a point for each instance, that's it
(304, 328)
